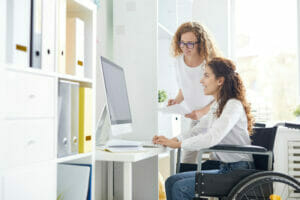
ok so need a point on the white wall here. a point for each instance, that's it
(3, 9)
(215, 15)
(166, 81)
(135, 49)
(104, 48)
(184, 11)
(105, 28)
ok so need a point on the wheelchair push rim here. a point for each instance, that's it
(265, 186)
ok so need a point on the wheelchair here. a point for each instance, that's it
(259, 184)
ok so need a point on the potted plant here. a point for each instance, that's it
(297, 112)
(162, 97)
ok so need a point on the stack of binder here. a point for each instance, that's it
(85, 120)
(68, 108)
(30, 38)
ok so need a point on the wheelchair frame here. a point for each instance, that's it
(245, 178)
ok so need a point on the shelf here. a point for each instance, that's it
(25, 69)
(163, 32)
(83, 81)
(75, 158)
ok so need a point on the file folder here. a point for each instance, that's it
(36, 34)
(67, 140)
(62, 16)
(48, 35)
(73, 181)
(18, 32)
(74, 116)
(75, 47)
(85, 120)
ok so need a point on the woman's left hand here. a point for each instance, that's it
(168, 142)
(196, 114)
(193, 115)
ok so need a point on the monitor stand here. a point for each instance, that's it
(103, 127)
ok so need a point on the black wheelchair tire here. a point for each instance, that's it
(260, 177)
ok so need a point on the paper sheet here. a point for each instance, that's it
(181, 109)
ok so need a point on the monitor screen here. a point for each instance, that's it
(116, 92)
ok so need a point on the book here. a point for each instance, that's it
(73, 181)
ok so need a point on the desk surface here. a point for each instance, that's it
(129, 157)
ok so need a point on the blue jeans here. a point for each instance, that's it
(182, 186)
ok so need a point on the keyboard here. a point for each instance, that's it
(149, 144)
(123, 143)
(131, 143)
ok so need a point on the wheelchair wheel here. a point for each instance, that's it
(266, 186)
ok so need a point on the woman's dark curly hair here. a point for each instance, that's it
(232, 87)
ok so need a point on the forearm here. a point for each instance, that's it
(205, 109)
(179, 98)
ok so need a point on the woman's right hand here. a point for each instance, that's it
(156, 138)
(171, 102)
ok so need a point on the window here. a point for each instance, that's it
(265, 49)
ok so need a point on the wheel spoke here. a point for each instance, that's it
(284, 189)
(262, 192)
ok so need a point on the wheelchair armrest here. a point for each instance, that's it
(289, 125)
(239, 148)
(178, 160)
(244, 149)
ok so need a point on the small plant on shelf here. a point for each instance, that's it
(297, 111)
(162, 96)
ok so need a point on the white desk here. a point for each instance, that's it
(147, 162)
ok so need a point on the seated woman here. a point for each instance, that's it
(228, 122)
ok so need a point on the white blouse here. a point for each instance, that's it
(230, 128)
(188, 79)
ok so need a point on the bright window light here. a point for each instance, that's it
(266, 54)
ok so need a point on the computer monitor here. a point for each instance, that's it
(117, 97)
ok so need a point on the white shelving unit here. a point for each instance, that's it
(29, 104)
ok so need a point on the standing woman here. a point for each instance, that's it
(192, 47)
(229, 122)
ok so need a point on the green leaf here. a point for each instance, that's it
(162, 96)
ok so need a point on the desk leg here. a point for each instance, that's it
(110, 184)
(127, 186)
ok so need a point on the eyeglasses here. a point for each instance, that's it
(189, 45)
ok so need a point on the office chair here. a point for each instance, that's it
(260, 183)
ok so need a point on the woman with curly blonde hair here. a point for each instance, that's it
(192, 47)
(229, 122)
